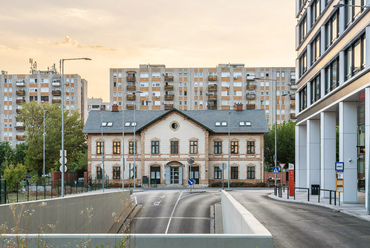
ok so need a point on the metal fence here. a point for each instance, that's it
(44, 188)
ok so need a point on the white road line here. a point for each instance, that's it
(134, 199)
(173, 211)
(162, 196)
(157, 203)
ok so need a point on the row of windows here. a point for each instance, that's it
(193, 147)
(234, 173)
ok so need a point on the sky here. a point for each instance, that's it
(127, 33)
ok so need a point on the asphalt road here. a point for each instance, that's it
(303, 225)
(174, 211)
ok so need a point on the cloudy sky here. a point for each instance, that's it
(126, 33)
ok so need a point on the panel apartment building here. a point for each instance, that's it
(155, 87)
(42, 87)
(333, 79)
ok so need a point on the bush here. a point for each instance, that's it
(14, 175)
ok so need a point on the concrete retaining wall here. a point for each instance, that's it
(65, 213)
(238, 220)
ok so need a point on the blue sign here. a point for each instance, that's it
(339, 166)
(191, 181)
(275, 170)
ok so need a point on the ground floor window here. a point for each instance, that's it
(155, 175)
(234, 172)
(218, 172)
(250, 172)
(194, 173)
(116, 172)
(98, 172)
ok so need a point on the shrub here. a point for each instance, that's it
(14, 175)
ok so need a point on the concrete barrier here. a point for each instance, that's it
(81, 213)
(238, 220)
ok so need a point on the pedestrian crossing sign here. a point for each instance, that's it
(275, 170)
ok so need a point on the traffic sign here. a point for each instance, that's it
(61, 160)
(275, 170)
(339, 166)
(191, 160)
(222, 166)
(61, 168)
(291, 166)
(282, 166)
(191, 181)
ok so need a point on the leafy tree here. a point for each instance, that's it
(19, 153)
(80, 164)
(14, 175)
(285, 144)
(32, 117)
(6, 154)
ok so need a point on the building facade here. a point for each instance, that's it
(97, 104)
(161, 142)
(216, 88)
(43, 87)
(333, 79)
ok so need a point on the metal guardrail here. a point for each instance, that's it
(308, 192)
(331, 191)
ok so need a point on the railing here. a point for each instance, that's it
(130, 79)
(168, 87)
(20, 92)
(308, 192)
(20, 84)
(131, 87)
(56, 101)
(330, 191)
(212, 97)
(56, 92)
(212, 78)
(168, 106)
(251, 87)
(168, 97)
(131, 97)
(20, 128)
(168, 78)
(212, 87)
(292, 116)
(19, 101)
(251, 96)
(251, 106)
(130, 106)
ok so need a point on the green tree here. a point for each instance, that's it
(32, 117)
(285, 144)
(19, 154)
(14, 175)
(6, 154)
(80, 164)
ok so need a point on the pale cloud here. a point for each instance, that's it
(68, 41)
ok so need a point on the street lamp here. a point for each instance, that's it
(135, 138)
(102, 149)
(123, 144)
(228, 162)
(43, 148)
(62, 82)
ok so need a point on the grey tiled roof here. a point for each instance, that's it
(207, 119)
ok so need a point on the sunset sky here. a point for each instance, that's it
(123, 33)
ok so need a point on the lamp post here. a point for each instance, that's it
(62, 82)
(135, 139)
(43, 148)
(102, 149)
(123, 145)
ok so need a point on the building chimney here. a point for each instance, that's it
(239, 107)
(115, 108)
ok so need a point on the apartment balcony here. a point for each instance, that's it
(168, 97)
(293, 87)
(168, 87)
(251, 96)
(292, 105)
(292, 116)
(131, 87)
(292, 96)
(20, 84)
(56, 101)
(251, 106)
(131, 79)
(56, 83)
(251, 78)
(56, 92)
(212, 97)
(168, 78)
(131, 97)
(20, 137)
(212, 78)
(212, 105)
(168, 106)
(20, 101)
(130, 106)
(292, 78)
(212, 87)
(251, 87)
(18, 110)
(20, 128)
(20, 92)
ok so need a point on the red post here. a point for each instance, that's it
(291, 179)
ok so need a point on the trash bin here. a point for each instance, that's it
(315, 189)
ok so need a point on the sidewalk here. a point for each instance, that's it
(354, 209)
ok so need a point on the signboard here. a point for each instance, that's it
(339, 166)
(191, 160)
(361, 150)
(61, 168)
(191, 181)
(282, 166)
(291, 166)
(275, 170)
(222, 166)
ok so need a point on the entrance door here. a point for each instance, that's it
(194, 173)
(175, 175)
(155, 175)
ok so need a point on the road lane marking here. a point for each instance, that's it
(185, 218)
(134, 199)
(162, 196)
(173, 211)
(157, 203)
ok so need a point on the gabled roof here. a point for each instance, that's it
(206, 119)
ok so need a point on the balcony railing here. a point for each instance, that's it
(168, 87)
(251, 87)
(131, 87)
(212, 78)
(251, 78)
(168, 78)
(212, 97)
(251, 96)
(168, 97)
(130, 106)
(131, 97)
(56, 101)
(292, 96)
(130, 79)
(292, 105)
(21, 92)
(251, 106)
(20, 128)
(56, 92)
(293, 87)
(20, 84)
(18, 111)
(56, 83)
(292, 116)
(168, 106)
(20, 137)
(212, 87)
(20, 101)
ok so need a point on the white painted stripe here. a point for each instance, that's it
(173, 211)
